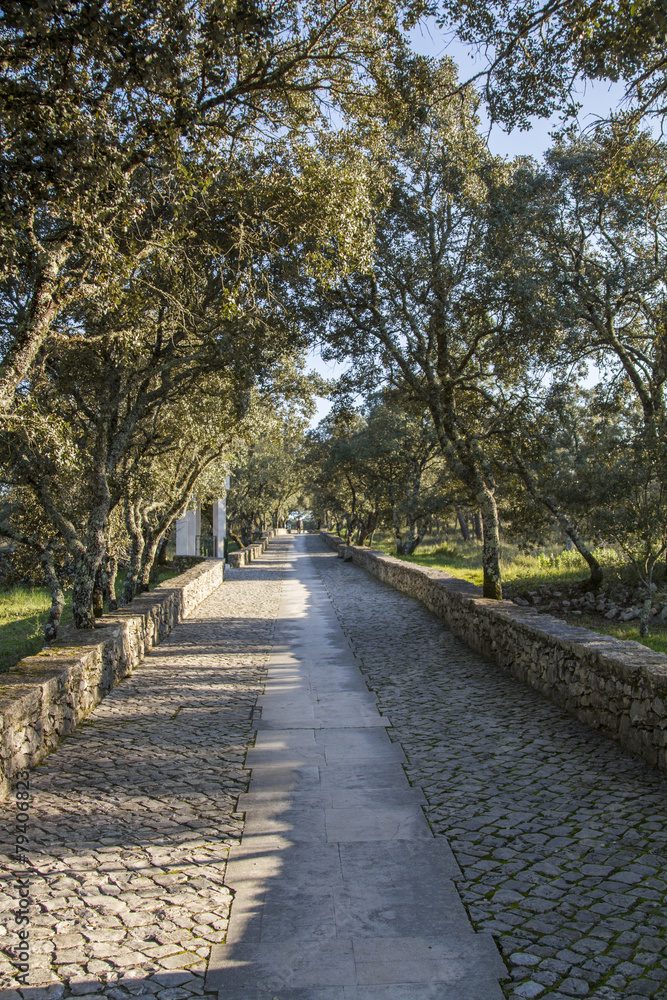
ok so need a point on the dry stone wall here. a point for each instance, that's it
(44, 697)
(617, 687)
(253, 551)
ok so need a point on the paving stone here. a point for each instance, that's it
(560, 836)
(528, 990)
(525, 795)
(133, 815)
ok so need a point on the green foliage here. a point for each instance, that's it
(537, 51)
(190, 194)
(23, 613)
(267, 473)
(552, 565)
(378, 465)
(115, 118)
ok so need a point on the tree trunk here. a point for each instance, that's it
(463, 525)
(397, 530)
(647, 603)
(477, 521)
(566, 525)
(98, 593)
(112, 571)
(367, 528)
(85, 571)
(571, 532)
(157, 560)
(148, 561)
(87, 563)
(162, 554)
(133, 525)
(491, 546)
(57, 595)
(34, 330)
(413, 539)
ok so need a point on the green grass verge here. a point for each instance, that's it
(552, 565)
(657, 640)
(521, 570)
(23, 614)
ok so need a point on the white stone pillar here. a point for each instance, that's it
(186, 532)
(194, 529)
(220, 525)
(182, 535)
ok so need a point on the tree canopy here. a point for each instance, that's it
(193, 195)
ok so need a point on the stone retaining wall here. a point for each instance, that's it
(253, 551)
(44, 696)
(616, 686)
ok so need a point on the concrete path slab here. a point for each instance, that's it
(340, 890)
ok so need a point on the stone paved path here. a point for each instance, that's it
(340, 890)
(561, 836)
(133, 816)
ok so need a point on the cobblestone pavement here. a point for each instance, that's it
(132, 818)
(561, 836)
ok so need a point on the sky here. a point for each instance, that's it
(597, 101)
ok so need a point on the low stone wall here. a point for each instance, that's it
(253, 551)
(44, 696)
(615, 686)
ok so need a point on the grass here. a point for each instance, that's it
(623, 630)
(522, 570)
(552, 565)
(23, 614)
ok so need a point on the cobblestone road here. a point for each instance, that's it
(132, 817)
(560, 835)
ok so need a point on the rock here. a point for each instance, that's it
(524, 958)
(530, 990)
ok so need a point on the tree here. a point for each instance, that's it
(537, 51)
(637, 521)
(631, 495)
(267, 474)
(551, 444)
(405, 449)
(112, 115)
(379, 464)
(429, 317)
(23, 522)
(97, 410)
(598, 251)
